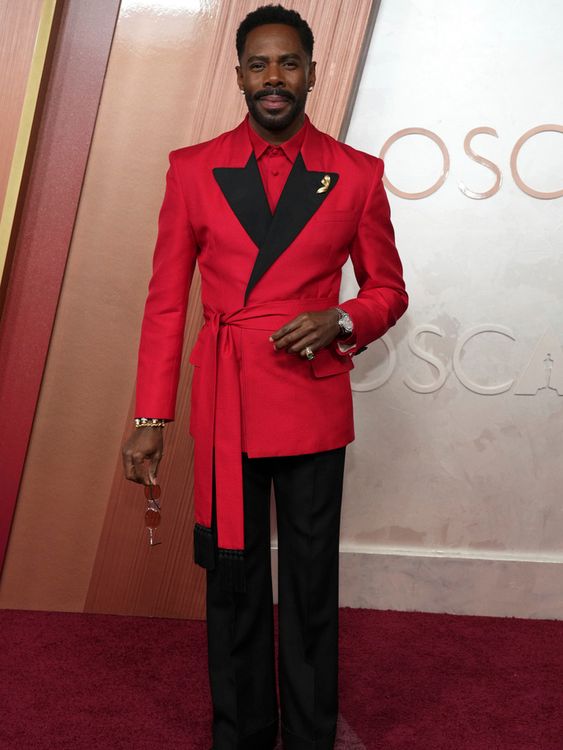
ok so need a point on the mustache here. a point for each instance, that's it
(274, 92)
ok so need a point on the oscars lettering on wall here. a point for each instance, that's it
(475, 157)
(544, 370)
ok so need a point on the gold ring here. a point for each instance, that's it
(309, 353)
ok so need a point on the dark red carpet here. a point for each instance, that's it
(409, 681)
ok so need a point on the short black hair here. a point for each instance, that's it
(275, 14)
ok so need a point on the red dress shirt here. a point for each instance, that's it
(275, 162)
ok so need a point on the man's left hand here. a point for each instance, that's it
(312, 329)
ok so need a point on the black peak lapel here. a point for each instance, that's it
(302, 195)
(244, 191)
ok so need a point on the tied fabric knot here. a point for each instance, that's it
(218, 442)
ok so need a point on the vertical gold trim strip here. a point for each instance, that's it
(44, 30)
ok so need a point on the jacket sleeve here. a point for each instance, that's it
(382, 297)
(162, 328)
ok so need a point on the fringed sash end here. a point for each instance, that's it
(229, 562)
(204, 547)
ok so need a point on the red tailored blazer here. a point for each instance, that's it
(258, 271)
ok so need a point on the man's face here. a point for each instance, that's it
(275, 73)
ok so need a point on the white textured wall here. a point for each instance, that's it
(454, 498)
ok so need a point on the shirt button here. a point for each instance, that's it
(275, 151)
(275, 172)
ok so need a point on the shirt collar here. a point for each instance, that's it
(290, 148)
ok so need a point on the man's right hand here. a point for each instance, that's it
(144, 444)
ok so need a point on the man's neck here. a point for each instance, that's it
(275, 137)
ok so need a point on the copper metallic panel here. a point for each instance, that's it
(170, 82)
(49, 525)
(128, 576)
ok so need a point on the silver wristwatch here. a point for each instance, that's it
(345, 323)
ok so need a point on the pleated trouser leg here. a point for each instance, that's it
(308, 503)
(308, 491)
(240, 631)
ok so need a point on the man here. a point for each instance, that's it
(270, 211)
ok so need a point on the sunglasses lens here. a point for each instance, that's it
(152, 491)
(152, 518)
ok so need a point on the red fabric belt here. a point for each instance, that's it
(218, 444)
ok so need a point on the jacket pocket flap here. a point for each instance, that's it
(328, 362)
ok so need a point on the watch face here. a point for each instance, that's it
(346, 324)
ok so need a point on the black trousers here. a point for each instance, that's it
(240, 626)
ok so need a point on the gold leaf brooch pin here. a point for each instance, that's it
(325, 182)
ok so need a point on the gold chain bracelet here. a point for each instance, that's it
(147, 422)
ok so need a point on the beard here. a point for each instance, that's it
(273, 121)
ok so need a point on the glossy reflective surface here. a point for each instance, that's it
(170, 82)
(19, 23)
